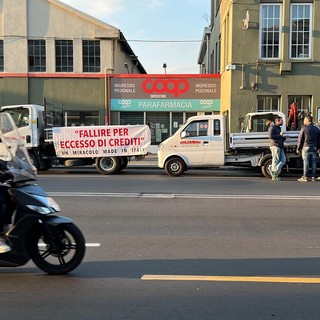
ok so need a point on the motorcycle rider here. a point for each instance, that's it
(4, 176)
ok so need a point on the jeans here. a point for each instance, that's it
(309, 157)
(278, 159)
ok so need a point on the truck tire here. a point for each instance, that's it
(123, 163)
(266, 168)
(175, 167)
(108, 165)
(34, 160)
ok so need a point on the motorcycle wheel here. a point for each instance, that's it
(60, 259)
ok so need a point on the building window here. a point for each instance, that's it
(302, 105)
(270, 31)
(268, 103)
(1, 56)
(91, 55)
(300, 31)
(64, 55)
(37, 55)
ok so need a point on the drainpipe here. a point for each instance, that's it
(208, 54)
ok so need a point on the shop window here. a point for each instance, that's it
(177, 121)
(159, 123)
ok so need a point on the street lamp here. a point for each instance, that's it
(164, 66)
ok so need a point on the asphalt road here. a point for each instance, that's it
(208, 245)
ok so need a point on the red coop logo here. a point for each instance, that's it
(159, 86)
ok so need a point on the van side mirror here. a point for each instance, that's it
(183, 134)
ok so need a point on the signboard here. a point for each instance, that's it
(101, 141)
(172, 94)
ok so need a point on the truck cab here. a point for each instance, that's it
(31, 121)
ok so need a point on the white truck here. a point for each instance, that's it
(204, 141)
(50, 143)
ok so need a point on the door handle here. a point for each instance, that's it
(205, 142)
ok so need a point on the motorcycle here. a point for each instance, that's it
(54, 243)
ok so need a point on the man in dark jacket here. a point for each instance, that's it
(277, 139)
(308, 144)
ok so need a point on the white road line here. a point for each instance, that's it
(88, 244)
(181, 195)
(93, 245)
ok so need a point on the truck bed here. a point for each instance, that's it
(259, 140)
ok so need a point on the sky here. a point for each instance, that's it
(158, 31)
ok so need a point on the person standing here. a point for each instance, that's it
(308, 144)
(277, 139)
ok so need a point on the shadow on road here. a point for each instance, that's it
(225, 267)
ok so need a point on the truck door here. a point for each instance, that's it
(202, 142)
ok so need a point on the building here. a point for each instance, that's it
(269, 56)
(209, 54)
(53, 51)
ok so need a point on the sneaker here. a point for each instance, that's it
(313, 179)
(274, 176)
(318, 178)
(303, 179)
(3, 246)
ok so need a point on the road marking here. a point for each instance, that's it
(93, 245)
(303, 280)
(88, 245)
(183, 196)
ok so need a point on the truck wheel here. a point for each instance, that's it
(266, 168)
(34, 160)
(123, 162)
(108, 165)
(175, 167)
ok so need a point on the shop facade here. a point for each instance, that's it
(164, 102)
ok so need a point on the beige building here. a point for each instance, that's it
(269, 56)
(53, 51)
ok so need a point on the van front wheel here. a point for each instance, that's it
(175, 167)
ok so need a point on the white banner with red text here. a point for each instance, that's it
(101, 141)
